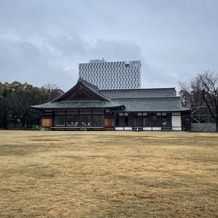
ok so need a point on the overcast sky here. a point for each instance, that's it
(43, 41)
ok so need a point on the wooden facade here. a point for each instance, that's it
(84, 107)
(102, 120)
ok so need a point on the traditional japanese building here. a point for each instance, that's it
(85, 107)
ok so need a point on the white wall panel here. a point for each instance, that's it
(176, 121)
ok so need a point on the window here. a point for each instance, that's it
(145, 121)
(138, 120)
(85, 120)
(59, 121)
(126, 121)
(164, 120)
(98, 120)
(154, 119)
(72, 120)
(120, 119)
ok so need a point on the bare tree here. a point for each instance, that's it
(202, 91)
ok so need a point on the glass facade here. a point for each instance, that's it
(96, 119)
(79, 118)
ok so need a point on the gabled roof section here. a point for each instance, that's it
(87, 95)
(165, 104)
(79, 104)
(83, 90)
(139, 93)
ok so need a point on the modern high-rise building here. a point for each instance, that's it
(112, 75)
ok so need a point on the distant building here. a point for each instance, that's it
(112, 75)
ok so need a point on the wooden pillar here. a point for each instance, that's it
(103, 117)
(52, 117)
(91, 117)
(65, 117)
(78, 118)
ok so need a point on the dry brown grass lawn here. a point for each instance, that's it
(108, 174)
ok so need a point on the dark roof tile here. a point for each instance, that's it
(78, 104)
(139, 93)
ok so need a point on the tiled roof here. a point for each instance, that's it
(78, 104)
(146, 104)
(138, 100)
(91, 86)
(139, 93)
(88, 86)
(152, 104)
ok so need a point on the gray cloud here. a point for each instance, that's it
(44, 41)
(115, 50)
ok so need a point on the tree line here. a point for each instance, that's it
(16, 99)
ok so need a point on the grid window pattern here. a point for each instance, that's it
(112, 75)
